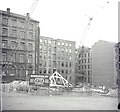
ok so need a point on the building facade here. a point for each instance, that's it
(58, 54)
(117, 49)
(17, 45)
(84, 66)
(103, 64)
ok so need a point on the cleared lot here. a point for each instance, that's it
(17, 101)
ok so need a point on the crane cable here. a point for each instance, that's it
(25, 28)
(88, 27)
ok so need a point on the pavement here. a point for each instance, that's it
(25, 101)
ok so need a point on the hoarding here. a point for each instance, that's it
(39, 80)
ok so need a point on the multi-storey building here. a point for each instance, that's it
(103, 64)
(58, 54)
(84, 66)
(17, 45)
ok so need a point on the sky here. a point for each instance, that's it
(69, 19)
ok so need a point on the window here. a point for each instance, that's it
(40, 70)
(79, 55)
(49, 71)
(79, 61)
(4, 44)
(62, 43)
(22, 34)
(21, 23)
(85, 60)
(40, 47)
(58, 43)
(85, 55)
(45, 48)
(5, 21)
(62, 64)
(88, 60)
(66, 44)
(13, 57)
(22, 56)
(30, 58)
(62, 71)
(70, 58)
(14, 22)
(70, 50)
(70, 64)
(44, 70)
(40, 54)
(30, 35)
(30, 46)
(85, 66)
(4, 57)
(22, 46)
(45, 41)
(41, 40)
(13, 44)
(14, 33)
(12, 71)
(45, 56)
(79, 68)
(30, 26)
(50, 41)
(62, 50)
(5, 32)
(40, 62)
(70, 44)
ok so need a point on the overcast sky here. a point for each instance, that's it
(68, 19)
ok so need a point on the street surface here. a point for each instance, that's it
(20, 101)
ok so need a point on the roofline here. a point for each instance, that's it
(17, 16)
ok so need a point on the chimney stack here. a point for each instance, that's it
(8, 10)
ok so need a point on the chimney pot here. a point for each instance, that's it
(8, 10)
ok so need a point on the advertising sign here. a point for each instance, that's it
(39, 80)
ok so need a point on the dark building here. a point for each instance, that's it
(83, 72)
(17, 45)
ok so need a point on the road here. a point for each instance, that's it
(17, 101)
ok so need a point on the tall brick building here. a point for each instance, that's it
(17, 45)
(58, 54)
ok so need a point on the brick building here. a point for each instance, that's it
(84, 66)
(58, 54)
(17, 45)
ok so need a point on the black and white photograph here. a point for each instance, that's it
(59, 55)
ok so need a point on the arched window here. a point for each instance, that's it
(12, 71)
(30, 70)
(40, 71)
(22, 74)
